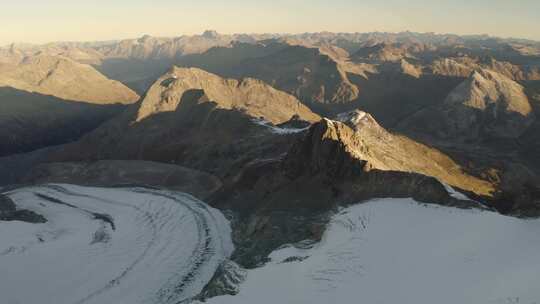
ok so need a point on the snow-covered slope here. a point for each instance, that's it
(277, 130)
(129, 245)
(399, 251)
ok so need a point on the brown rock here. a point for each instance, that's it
(487, 103)
(251, 96)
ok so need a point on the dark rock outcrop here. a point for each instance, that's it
(9, 212)
(519, 192)
(6, 204)
(226, 281)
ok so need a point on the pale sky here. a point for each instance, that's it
(39, 21)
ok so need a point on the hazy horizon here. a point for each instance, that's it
(137, 36)
(32, 21)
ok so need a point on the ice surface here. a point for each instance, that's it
(278, 130)
(399, 251)
(110, 246)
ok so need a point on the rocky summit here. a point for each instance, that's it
(248, 95)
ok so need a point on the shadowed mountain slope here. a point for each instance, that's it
(194, 118)
(66, 79)
(49, 100)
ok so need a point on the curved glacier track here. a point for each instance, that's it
(104, 245)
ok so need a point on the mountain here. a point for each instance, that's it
(487, 103)
(313, 77)
(345, 162)
(451, 67)
(382, 52)
(138, 62)
(194, 118)
(329, 154)
(64, 78)
(30, 121)
(464, 66)
(48, 100)
(363, 245)
(148, 47)
(308, 73)
(338, 44)
(284, 198)
(248, 95)
(134, 62)
(223, 60)
(382, 150)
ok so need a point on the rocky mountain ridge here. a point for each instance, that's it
(485, 105)
(251, 96)
(49, 100)
(221, 122)
(64, 78)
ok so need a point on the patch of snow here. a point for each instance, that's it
(455, 194)
(104, 245)
(278, 130)
(400, 251)
(353, 117)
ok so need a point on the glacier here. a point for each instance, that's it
(110, 245)
(402, 251)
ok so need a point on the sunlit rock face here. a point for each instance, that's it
(487, 103)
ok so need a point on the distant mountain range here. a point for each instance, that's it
(446, 91)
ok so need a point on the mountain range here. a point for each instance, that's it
(280, 132)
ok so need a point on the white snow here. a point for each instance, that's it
(353, 116)
(454, 193)
(278, 130)
(165, 246)
(399, 251)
